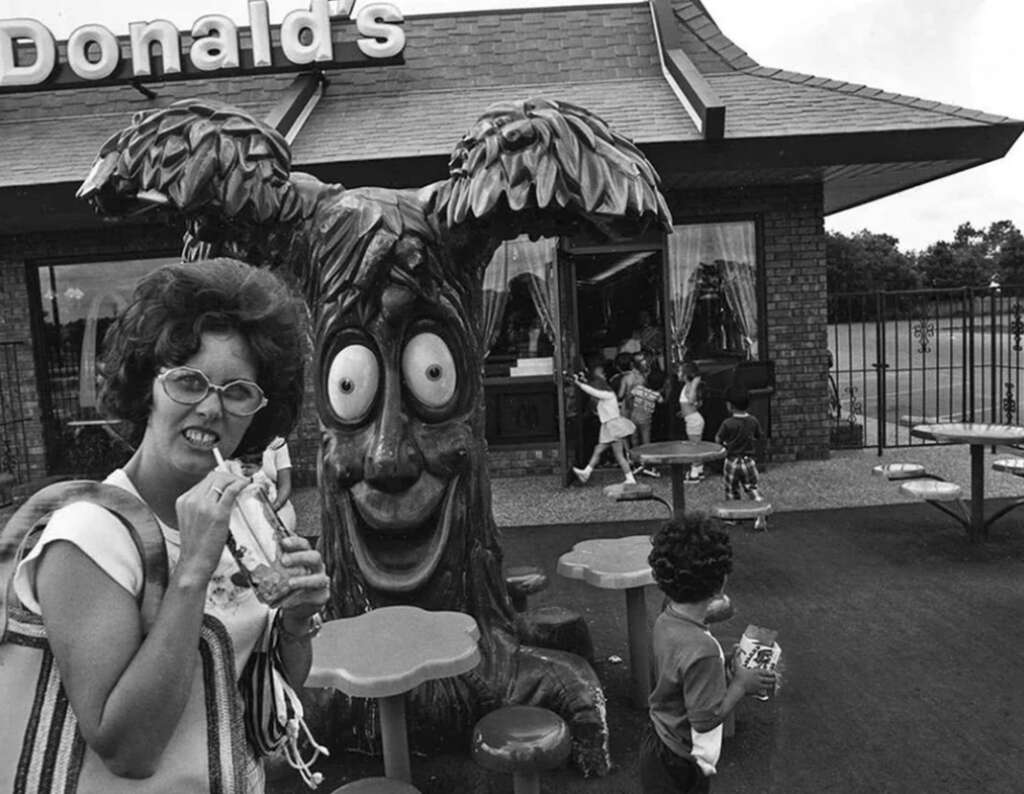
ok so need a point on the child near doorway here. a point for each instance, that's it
(738, 433)
(689, 409)
(643, 399)
(614, 427)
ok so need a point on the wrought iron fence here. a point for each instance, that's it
(909, 356)
(13, 438)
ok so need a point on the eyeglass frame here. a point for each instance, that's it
(211, 387)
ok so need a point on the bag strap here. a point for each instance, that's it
(138, 519)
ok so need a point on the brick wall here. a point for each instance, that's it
(522, 462)
(792, 239)
(19, 421)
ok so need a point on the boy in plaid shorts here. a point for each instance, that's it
(738, 434)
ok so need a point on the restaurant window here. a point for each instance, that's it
(77, 304)
(713, 291)
(519, 295)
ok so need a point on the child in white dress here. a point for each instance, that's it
(614, 427)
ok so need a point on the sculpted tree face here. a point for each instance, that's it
(394, 280)
(398, 406)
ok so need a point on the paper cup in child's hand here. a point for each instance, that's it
(758, 649)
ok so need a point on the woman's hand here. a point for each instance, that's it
(203, 512)
(309, 584)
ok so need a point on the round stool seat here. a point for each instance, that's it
(521, 740)
(899, 471)
(932, 490)
(1011, 465)
(377, 785)
(736, 510)
(628, 491)
(523, 581)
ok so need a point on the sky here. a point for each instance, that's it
(962, 52)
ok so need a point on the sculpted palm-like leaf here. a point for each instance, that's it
(538, 164)
(393, 279)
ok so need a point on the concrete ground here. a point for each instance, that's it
(845, 480)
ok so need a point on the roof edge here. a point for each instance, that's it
(490, 12)
(687, 78)
(877, 94)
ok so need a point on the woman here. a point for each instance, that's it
(208, 356)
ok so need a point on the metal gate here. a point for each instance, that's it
(904, 357)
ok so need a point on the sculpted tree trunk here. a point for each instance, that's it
(394, 283)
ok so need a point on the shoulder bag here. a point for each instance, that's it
(41, 749)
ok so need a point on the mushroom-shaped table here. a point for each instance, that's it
(386, 652)
(678, 455)
(620, 564)
(977, 435)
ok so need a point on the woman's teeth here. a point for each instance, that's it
(200, 438)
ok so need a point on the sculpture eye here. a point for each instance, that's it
(428, 368)
(352, 382)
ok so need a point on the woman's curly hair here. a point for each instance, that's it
(691, 558)
(173, 307)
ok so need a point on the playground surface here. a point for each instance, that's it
(898, 636)
(900, 639)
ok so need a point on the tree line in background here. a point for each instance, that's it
(865, 261)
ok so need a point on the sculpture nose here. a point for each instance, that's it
(393, 461)
(392, 465)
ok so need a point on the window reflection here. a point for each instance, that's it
(712, 288)
(77, 304)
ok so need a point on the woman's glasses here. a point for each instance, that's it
(190, 386)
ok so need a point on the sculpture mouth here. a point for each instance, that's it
(399, 539)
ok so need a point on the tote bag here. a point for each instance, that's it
(41, 749)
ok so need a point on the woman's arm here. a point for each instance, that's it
(129, 691)
(298, 618)
(284, 487)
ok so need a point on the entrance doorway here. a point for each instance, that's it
(617, 297)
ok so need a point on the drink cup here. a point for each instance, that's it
(758, 649)
(254, 540)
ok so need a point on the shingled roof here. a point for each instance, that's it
(778, 124)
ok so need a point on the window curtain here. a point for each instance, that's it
(495, 297)
(684, 247)
(512, 259)
(87, 362)
(735, 244)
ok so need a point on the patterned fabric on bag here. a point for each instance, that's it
(41, 749)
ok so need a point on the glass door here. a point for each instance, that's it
(619, 336)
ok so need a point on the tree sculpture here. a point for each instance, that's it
(393, 279)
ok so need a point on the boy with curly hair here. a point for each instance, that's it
(690, 560)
